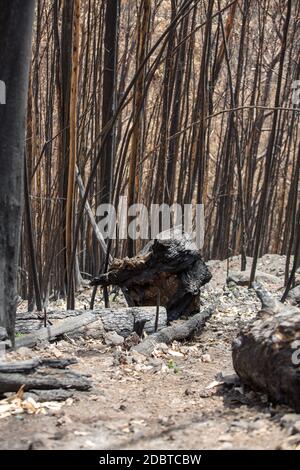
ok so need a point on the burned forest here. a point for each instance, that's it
(149, 227)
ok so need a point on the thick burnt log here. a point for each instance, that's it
(52, 332)
(32, 364)
(89, 323)
(170, 270)
(266, 354)
(44, 374)
(46, 380)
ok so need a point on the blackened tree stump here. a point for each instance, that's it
(266, 354)
(167, 271)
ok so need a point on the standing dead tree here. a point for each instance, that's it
(16, 18)
(73, 153)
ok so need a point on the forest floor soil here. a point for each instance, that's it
(184, 397)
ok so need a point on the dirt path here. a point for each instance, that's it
(166, 402)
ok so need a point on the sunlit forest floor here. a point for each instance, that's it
(184, 397)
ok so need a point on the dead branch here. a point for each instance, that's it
(178, 332)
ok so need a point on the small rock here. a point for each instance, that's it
(166, 421)
(155, 362)
(225, 438)
(206, 358)
(112, 338)
(294, 295)
(131, 341)
(289, 442)
(24, 351)
(121, 358)
(188, 392)
(137, 357)
(226, 446)
(256, 425)
(63, 420)
(291, 422)
(56, 351)
(206, 393)
(58, 436)
(89, 444)
(20, 417)
(162, 347)
(37, 442)
(296, 428)
(240, 424)
(229, 379)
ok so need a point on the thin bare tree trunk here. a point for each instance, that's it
(73, 155)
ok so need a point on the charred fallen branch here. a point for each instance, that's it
(48, 379)
(41, 374)
(266, 353)
(178, 332)
(32, 364)
(170, 270)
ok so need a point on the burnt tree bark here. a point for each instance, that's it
(124, 321)
(169, 268)
(39, 374)
(266, 353)
(16, 18)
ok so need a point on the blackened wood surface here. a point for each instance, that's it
(266, 354)
(171, 267)
(16, 17)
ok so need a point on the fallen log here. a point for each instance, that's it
(168, 269)
(48, 379)
(123, 320)
(32, 364)
(266, 354)
(44, 374)
(177, 332)
(128, 319)
(52, 332)
(242, 278)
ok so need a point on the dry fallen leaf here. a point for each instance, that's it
(15, 404)
(213, 384)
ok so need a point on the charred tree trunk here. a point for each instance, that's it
(16, 19)
(108, 99)
(266, 354)
(170, 269)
